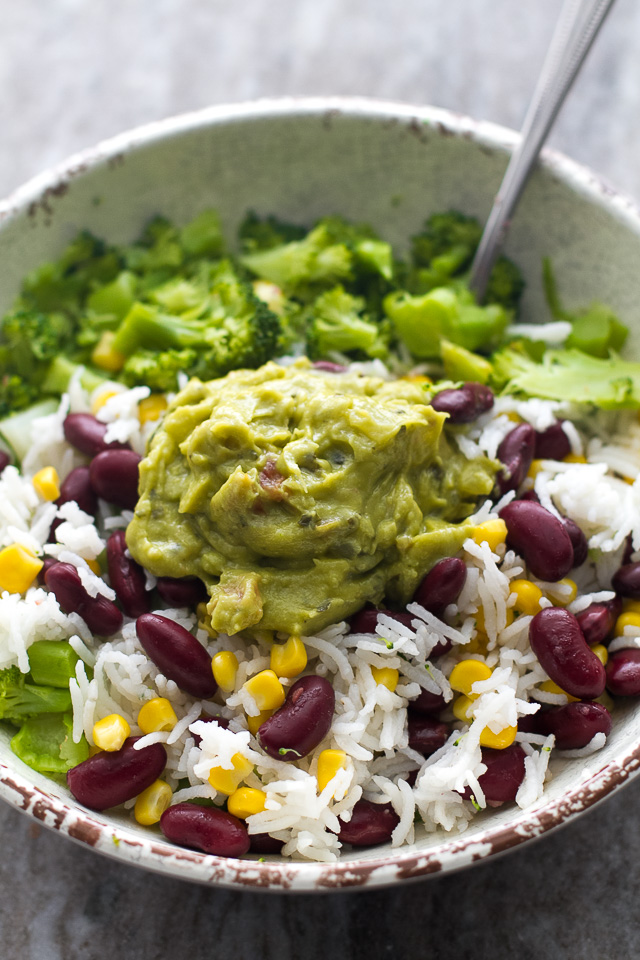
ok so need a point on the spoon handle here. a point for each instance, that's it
(575, 31)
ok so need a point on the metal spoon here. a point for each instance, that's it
(576, 30)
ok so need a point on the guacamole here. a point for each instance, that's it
(297, 495)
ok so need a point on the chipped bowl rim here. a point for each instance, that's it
(123, 843)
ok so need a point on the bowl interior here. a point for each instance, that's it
(391, 166)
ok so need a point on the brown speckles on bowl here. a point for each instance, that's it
(278, 157)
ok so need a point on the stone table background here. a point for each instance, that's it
(75, 71)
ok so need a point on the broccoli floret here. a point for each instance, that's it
(447, 243)
(572, 375)
(506, 284)
(337, 324)
(28, 343)
(158, 370)
(230, 328)
(300, 264)
(258, 233)
(19, 699)
(64, 284)
(15, 394)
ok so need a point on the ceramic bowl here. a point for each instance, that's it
(391, 165)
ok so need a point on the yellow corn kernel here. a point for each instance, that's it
(245, 801)
(565, 598)
(228, 781)
(254, 723)
(601, 653)
(493, 532)
(477, 643)
(288, 659)
(19, 567)
(329, 762)
(225, 667)
(266, 690)
(631, 606)
(462, 708)
(416, 378)
(111, 732)
(550, 687)
(47, 483)
(575, 458)
(386, 676)
(624, 620)
(101, 398)
(157, 715)
(152, 408)
(528, 597)
(535, 468)
(498, 741)
(93, 750)
(606, 700)
(466, 673)
(152, 803)
(514, 417)
(104, 356)
(95, 567)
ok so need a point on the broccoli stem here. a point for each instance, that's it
(52, 663)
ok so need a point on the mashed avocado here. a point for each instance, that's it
(297, 495)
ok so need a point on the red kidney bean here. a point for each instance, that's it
(552, 443)
(539, 537)
(411, 777)
(110, 778)
(623, 673)
(574, 725)
(628, 551)
(328, 366)
(366, 620)
(100, 615)
(205, 828)
(52, 530)
(221, 721)
(597, 622)
(442, 585)
(464, 404)
(177, 654)
(5, 460)
(626, 581)
(516, 453)
(426, 735)
(126, 576)
(427, 702)
(46, 563)
(184, 592)
(370, 824)
(114, 477)
(302, 721)
(558, 643)
(503, 776)
(529, 495)
(528, 723)
(264, 844)
(578, 541)
(86, 433)
(77, 487)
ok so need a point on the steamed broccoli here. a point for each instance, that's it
(20, 699)
(264, 233)
(337, 324)
(64, 284)
(226, 327)
(45, 743)
(506, 284)
(158, 370)
(28, 343)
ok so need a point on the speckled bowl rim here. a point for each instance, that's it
(153, 853)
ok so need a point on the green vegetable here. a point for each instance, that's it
(15, 430)
(45, 744)
(596, 329)
(229, 327)
(28, 343)
(422, 322)
(20, 699)
(52, 662)
(62, 369)
(571, 375)
(338, 323)
(158, 370)
(461, 364)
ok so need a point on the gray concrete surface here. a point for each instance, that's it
(75, 71)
